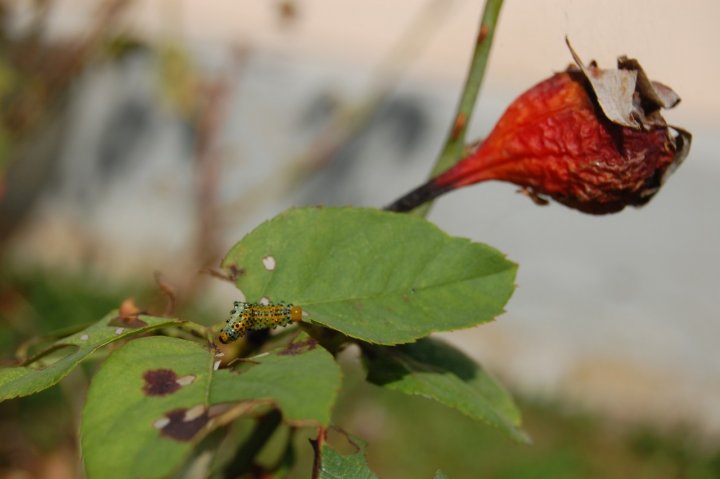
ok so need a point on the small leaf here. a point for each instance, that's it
(334, 465)
(143, 412)
(377, 276)
(436, 370)
(38, 373)
(302, 379)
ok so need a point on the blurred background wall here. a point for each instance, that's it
(184, 124)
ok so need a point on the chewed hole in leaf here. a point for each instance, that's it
(51, 356)
(342, 443)
(269, 263)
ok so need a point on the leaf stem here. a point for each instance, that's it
(455, 143)
(317, 445)
(196, 329)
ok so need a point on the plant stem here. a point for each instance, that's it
(455, 143)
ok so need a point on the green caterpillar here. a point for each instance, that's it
(254, 316)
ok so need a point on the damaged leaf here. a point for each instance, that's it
(159, 394)
(302, 378)
(44, 370)
(139, 410)
(331, 464)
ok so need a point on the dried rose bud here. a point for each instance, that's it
(591, 139)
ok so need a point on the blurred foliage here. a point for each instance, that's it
(35, 302)
(566, 444)
(36, 76)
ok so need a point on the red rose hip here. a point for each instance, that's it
(591, 139)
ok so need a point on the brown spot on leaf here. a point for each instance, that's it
(160, 382)
(183, 424)
(235, 271)
(131, 322)
(299, 347)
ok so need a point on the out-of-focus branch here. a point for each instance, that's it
(455, 143)
(353, 118)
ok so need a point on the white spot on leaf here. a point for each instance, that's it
(269, 263)
(265, 300)
(194, 413)
(216, 366)
(84, 337)
(119, 331)
(185, 380)
(161, 423)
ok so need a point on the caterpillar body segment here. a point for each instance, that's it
(254, 316)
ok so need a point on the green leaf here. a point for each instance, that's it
(437, 371)
(150, 402)
(40, 372)
(380, 277)
(146, 407)
(302, 378)
(334, 465)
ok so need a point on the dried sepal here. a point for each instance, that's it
(626, 95)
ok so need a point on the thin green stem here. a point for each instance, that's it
(455, 143)
(196, 329)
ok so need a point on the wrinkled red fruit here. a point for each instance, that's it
(557, 140)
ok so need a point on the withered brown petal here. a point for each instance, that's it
(661, 95)
(614, 90)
